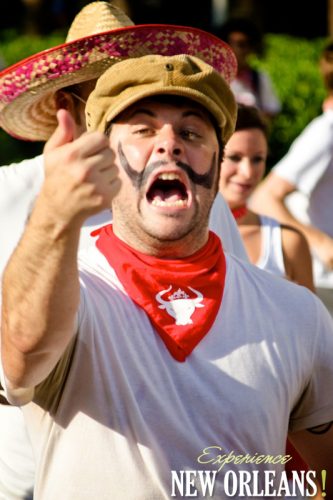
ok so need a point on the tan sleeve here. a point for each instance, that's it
(48, 393)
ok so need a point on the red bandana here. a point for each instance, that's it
(239, 212)
(181, 297)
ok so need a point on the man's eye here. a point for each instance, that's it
(143, 131)
(190, 134)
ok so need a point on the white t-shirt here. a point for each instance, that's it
(118, 413)
(308, 165)
(19, 186)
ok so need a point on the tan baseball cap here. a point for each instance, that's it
(131, 80)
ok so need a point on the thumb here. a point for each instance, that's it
(64, 132)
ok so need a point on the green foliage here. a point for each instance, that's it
(292, 64)
(14, 48)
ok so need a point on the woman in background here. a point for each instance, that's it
(275, 247)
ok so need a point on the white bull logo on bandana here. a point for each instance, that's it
(180, 306)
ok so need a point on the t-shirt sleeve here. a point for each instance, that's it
(19, 185)
(47, 392)
(315, 406)
(222, 223)
(309, 155)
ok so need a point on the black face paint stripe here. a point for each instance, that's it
(135, 177)
(205, 180)
(138, 179)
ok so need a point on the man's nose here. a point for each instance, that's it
(168, 142)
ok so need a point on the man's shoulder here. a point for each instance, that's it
(321, 124)
(28, 171)
(94, 268)
(311, 148)
(19, 185)
(36, 162)
(268, 292)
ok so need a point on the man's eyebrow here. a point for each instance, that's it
(201, 114)
(195, 112)
(140, 111)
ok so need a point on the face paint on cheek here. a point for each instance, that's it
(134, 176)
(137, 178)
(204, 180)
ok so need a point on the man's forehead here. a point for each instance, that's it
(151, 106)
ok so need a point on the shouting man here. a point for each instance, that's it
(156, 349)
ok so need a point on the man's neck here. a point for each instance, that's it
(164, 249)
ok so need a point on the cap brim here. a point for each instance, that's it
(27, 107)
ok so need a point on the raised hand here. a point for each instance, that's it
(80, 175)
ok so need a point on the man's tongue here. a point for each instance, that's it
(170, 195)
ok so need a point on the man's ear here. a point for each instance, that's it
(64, 100)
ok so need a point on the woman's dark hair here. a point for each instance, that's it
(326, 65)
(327, 52)
(251, 117)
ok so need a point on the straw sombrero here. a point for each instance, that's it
(100, 35)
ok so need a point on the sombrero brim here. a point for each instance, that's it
(27, 107)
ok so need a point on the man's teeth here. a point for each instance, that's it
(169, 177)
(162, 203)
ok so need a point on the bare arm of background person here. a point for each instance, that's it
(269, 198)
(297, 257)
(315, 446)
(40, 284)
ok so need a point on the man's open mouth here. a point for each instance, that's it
(168, 190)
